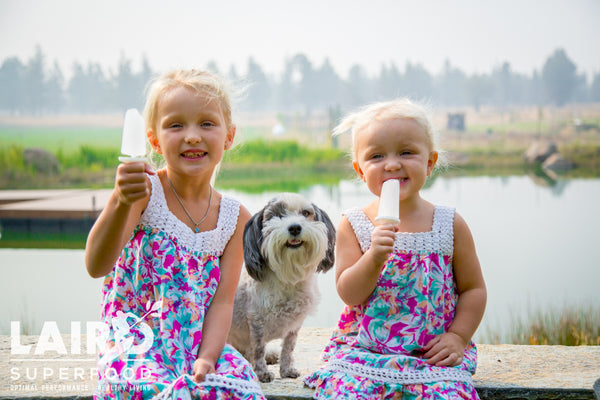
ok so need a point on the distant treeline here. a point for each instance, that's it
(33, 87)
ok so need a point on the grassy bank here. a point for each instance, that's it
(88, 157)
(260, 165)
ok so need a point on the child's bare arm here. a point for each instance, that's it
(218, 317)
(118, 218)
(448, 348)
(357, 273)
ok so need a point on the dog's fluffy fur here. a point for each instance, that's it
(285, 244)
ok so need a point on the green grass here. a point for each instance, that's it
(66, 140)
(286, 152)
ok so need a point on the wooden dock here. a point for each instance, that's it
(51, 210)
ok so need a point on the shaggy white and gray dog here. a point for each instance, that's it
(285, 244)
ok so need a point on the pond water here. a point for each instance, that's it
(535, 243)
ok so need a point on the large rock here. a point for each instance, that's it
(41, 160)
(557, 163)
(539, 151)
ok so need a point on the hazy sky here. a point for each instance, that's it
(475, 35)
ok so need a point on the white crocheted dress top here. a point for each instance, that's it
(440, 239)
(158, 216)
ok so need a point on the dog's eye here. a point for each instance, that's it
(306, 213)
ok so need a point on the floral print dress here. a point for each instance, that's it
(155, 301)
(374, 353)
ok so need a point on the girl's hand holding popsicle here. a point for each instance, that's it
(131, 181)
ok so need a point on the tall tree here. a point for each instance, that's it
(559, 76)
(357, 88)
(536, 90)
(419, 83)
(501, 78)
(479, 90)
(595, 88)
(451, 86)
(327, 86)
(55, 95)
(34, 83)
(12, 72)
(128, 90)
(389, 83)
(145, 75)
(259, 92)
(304, 78)
(285, 91)
(89, 91)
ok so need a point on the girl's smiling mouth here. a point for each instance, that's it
(193, 154)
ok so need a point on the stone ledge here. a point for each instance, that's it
(504, 371)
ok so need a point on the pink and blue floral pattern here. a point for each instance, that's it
(375, 352)
(161, 288)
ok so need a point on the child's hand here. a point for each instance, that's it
(445, 350)
(382, 243)
(201, 368)
(131, 181)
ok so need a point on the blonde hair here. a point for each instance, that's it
(382, 111)
(200, 81)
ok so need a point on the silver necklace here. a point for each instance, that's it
(196, 229)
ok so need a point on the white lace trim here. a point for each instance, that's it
(214, 380)
(157, 215)
(398, 377)
(439, 240)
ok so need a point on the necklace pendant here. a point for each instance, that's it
(197, 230)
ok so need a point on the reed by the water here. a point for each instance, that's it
(570, 325)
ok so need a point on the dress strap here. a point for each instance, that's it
(156, 208)
(362, 226)
(229, 212)
(443, 219)
(443, 230)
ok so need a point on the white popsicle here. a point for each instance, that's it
(389, 203)
(133, 143)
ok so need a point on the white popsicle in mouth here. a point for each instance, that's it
(389, 203)
(133, 143)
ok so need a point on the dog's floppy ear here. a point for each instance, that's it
(329, 259)
(253, 239)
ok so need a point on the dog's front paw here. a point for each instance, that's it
(265, 376)
(290, 372)
(271, 357)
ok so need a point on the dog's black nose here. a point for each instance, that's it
(295, 229)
